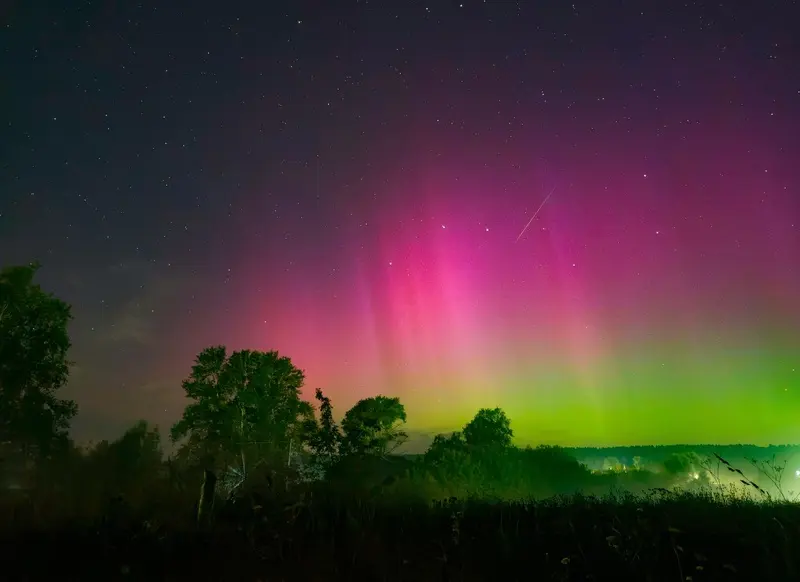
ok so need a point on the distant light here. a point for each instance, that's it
(797, 473)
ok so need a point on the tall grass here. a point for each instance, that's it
(720, 532)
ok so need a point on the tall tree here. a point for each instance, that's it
(326, 436)
(490, 428)
(373, 426)
(323, 440)
(33, 364)
(205, 427)
(245, 408)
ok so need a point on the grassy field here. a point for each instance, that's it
(658, 536)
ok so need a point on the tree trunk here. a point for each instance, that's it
(205, 508)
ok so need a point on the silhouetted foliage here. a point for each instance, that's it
(485, 464)
(324, 436)
(245, 409)
(490, 428)
(444, 447)
(373, 426)
(369, 477)
(130, 464)
(33, 366)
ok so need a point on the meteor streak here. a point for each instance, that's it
(536, 213)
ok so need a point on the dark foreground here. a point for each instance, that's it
(660, 537)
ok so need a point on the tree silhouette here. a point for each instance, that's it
(134, 458)
(33, 365)
(444, 448)
(452, 463)
(245, 409)
(490, 428)
(324, 437)
(372, 426)
(130, 467)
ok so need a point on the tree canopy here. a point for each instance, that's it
(33, 363)
(490, 427)
(373, 426)
(242, 405)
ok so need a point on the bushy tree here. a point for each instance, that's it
(33, 365)
(244, 408)
(490, 428)
(444, 446)
(373, 426)
(475, 460)
(481, 461)
(452, 464)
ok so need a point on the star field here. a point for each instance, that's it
(346, 183)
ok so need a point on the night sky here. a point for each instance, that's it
(346, 182)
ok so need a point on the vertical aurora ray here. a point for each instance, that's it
(426, 312)
(583, 348)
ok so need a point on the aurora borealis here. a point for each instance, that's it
(347, 187)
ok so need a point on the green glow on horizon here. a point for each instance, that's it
(721, 397)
